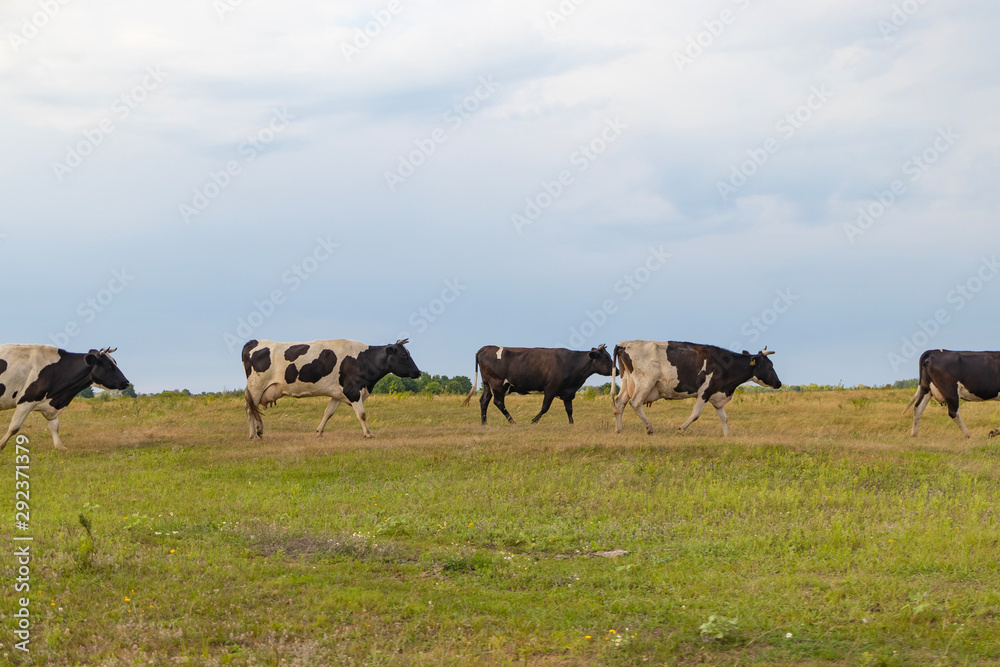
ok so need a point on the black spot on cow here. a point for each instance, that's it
(353, 372)
(260, 360)
(291, 373)
(295, 351)
(246, 355)
(691, 365)
(3, 366)
(319, 368)
(60, 381)
(2, 389)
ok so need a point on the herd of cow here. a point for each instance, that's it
(43, 378)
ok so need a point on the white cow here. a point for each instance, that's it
(344, 370)
(652, 370)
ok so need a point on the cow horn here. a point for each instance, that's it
(765, 352)
(108, 350)
(602, 347)
(403, 342)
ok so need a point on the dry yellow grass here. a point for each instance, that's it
(444, 542)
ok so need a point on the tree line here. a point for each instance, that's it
(425, 384)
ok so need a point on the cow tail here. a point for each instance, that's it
(614, 376)
(923, 383)
(475, 385)
(251, 406)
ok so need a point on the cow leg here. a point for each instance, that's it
(359, 410)
(620, 400)
(568, 402)
(635, 395)
(636, 404)
(21, 413)
(331, 407)
(546, 404)
(719, 403)
(699, 405)
(918, 410)
(254, 421)
(53, 417)
(484, 400)
(498, 401)
(957, 418)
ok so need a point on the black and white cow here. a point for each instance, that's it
(344, 370)
(652, 370)
(949, 376)
(45, 379)
(553, 372)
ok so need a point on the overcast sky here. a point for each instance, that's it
(816, 177)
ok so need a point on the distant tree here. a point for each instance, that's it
(86, 393)
(129, 391)
(433, 387)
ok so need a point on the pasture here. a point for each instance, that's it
(820, 533)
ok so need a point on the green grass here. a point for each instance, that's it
(444, 542)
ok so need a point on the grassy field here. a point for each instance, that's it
(820, 533)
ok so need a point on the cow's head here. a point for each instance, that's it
(400, 362)
(104, 370)
(763, 369)
(600, 360)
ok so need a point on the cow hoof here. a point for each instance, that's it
(319, 434)
(994, 432)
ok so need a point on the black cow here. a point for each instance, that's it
(44, 378)
(553, 372)
(652, 370)
(344, 370)
(949, 376)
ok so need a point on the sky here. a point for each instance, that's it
(819, 178)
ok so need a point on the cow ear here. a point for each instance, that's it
(390, 349)
(745, 352)
(91, 358)
(594, 354)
